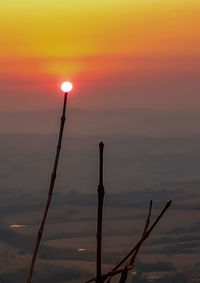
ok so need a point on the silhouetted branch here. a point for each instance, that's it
(50, 192)
(145, 235)
(132, 259)
(148, 217)
(100, 214)
(124, 275)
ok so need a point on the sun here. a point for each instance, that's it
(66, 86)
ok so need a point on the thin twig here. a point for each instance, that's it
(101, 193)
(132, 259)
(50, 192)
(144, 237)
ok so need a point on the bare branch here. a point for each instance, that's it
(131, 261)
(124, 275)
(148, 217)
(101, 193)
(143, 238)
(50, 192)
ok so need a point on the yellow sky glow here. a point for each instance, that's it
(49, 28)
(69, 40)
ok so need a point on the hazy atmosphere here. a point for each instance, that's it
(134, 66)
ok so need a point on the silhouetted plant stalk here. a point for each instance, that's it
(124, 273)
(131, 256)
(50, 192)
(100, 214)
(144, 236)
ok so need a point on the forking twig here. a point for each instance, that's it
(145, 235)
(132, 259)
(50, 192)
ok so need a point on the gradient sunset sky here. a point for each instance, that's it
(118, 54)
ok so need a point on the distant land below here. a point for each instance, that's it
(118, 122)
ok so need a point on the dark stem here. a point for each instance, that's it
(143, 238)
(124, 275)
(133, 257)
(100, 214)
(50, 192)
(137, 246)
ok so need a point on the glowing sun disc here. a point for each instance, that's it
(66, 86)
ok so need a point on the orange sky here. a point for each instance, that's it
(130, 53)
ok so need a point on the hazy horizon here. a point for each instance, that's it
(134, 66)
